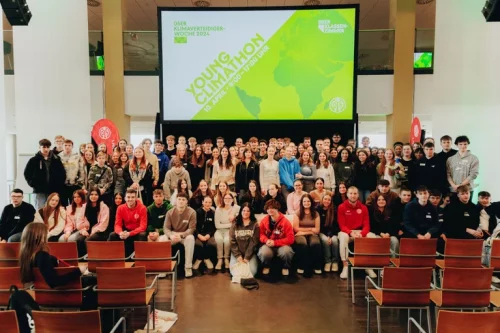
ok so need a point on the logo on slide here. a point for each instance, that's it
(337, 105)
(327, 27)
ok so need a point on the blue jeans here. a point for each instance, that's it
(330, 252)
(363, 195)
(285, 253)
(40, 200)
(253, 263)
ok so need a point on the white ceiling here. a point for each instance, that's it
(141, 15)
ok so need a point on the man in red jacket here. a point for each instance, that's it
(131, 222)
(276, 233)
(354, 222)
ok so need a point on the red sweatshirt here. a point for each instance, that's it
(282, 233)
(134, 220)
(353, 218)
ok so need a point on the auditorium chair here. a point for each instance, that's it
(9, 276)
(66, 251)
(416, 253)
(106, 254)
(9, 254)
(462, 322)
(464, 253)
(8, 322)
(74, 322)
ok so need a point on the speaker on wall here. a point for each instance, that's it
(491, 10)
(16, 11)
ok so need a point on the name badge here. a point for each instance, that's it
(17, 217)
(98, 175)
(161, 216)
(277, 232)
(185, 221)
(209, 219)
(422, 164)
(428, 216)
(458, 168)
(466, 214)
(159, 159)
(347, 167)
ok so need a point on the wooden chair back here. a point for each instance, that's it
(465, 253)
(75, 322)
(495, 255)
(466, 322)
(113, 278)
(8, 276)
(65, 251)
(417, 252)
(372, 252)
(8, 322)
(151, 250)
(105, 254)
(463, 281)
(410, 279)
(9, 254)
(61, 297)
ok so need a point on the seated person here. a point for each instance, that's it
(276, 235)
(293, 198)
(384, 189)
(461, 217)
(35, 254)
(131, 222)
(306, 225)
(15, 217)
(156, 215)
(489, 213)
(354, 222)
(205, 247)
(53, 215)
(225, 215)
(329, 229)
(244, 235)
(319, 191)
(182, 187)
(420, 218)
(382, 224)
(273, 192)
(254, 197)
(179, 227)
(398, 207)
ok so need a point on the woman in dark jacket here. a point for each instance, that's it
(138, 175)
(253, 197)
(246, 170)
(196, 166)
(381, 223)
(205, 247)
(365, 176)
(329, 229)
(273, 192)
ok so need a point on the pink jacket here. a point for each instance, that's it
(75, 222)
(78, 223)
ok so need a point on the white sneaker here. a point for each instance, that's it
(285, 272)
(218, 267)
(208, 263)
(335, 267)
(162, 276)
(265, 271)
(226, 263)
(344, 273)
(188, 272)
(371, 273)
(300, 271)
(495, 279)
(317, 271)
(197, 264)
(328, 267)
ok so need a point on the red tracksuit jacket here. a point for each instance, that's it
(282, 233)
(353, 218)
(134, 220)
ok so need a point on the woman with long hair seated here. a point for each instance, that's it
(274, 192)
(182, 187)
(34, 253)
(199, 195)
(53, 215)
(253, 197)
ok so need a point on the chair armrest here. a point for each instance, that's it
(369, 279)
(153, 283)
(59, 290)
(131, 256)
(411, 321)
(84, 257)
(118, 323)
(394, 253)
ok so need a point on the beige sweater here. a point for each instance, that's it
(171, 179)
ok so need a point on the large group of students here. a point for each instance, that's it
(261, 201)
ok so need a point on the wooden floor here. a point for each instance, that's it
(321, 304)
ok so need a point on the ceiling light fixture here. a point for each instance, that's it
(312, 3)
(424, 2)
(93, 3)
(201, 3)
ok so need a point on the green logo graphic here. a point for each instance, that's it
(180, 40)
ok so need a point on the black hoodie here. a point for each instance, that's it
(45, 175)
(458, 217)
(14, 219)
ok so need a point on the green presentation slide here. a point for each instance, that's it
(260, 65)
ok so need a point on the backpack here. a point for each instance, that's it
(22, 302)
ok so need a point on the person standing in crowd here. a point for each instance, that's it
(268, 170)
(235, 155)
(288, 169)
(344, 168)
(181, 155)
(222, 190)
(88, 162)
(209, 167)
(461, 217)
(156, 215)
(220, 143)
(58, 145)
(53, 215)
(319, 191)
(408, 163)
(307, 171)
(153, 160)
(244, 235)
(382, 224)
(276, 235)
(293, 199)
(365, 176)
(431, 170)
(253, 197)
(139, 176)
(420, 218)
(170, 149)
(391, 170)
(273, 192)
(365, 142)
(163, 162)
(205, 247)
(118, 176)
(329, 230)
(224, 170)
(354, 222)
(384, 190)
(122, 145)
(446, 151)
(82, 149)
(15, 217)
(398, 149)
(131, 222)
(176, 173)
(225, 215)
(262, 152)
(191, 145)
(463, 167)
(324, 170)
(196, 166)
(336, 138)
(180, 225)
(306, 225)
(129, 150)
(45, 173)
(73, 165)
(246, 171)
(101, 176)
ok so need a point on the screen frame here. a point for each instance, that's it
(356, 7)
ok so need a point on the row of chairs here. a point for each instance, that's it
(464, 283)
(453, 322)
(59, 322)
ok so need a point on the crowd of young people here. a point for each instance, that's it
(311, 202)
